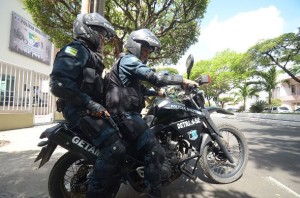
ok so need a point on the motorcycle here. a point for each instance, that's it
(184, 129)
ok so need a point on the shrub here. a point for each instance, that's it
(258, 106)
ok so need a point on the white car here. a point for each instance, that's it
(297, 110)
(277, 110)
(280, 110)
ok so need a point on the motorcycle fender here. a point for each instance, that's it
(46, 153)
(218, 110)
(204, 141)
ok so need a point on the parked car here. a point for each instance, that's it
(277, 110)
(233, 109)
(297, 110)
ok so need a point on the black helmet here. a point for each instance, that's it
(89, 26)
(141, 37)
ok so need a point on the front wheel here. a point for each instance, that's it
(215, 164)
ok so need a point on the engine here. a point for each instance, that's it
(174, 154)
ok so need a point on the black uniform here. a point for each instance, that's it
(76, 77)
(124, 99)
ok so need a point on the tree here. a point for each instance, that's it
(169, 69)
(175, 22)
(276, 102)
(245, 90)
(268, 81)
(281, 52)
(224, 100)
(225, 69)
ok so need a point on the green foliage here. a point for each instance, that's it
(276, 102)
(175, 22)
(55, 18)
(268, 80)
(241, 108)
(226, 69)
(245, 90)
(169, 69)
(281, 52)
(224, 100)
(258, 106)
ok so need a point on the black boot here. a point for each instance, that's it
(155, 192)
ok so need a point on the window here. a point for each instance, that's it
(283, 108)
(293, 89)
(276, 92)
(7, 89)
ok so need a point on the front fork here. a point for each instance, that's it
(216, 135)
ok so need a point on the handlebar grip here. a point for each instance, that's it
(191, 86)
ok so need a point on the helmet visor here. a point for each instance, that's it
(100, 30)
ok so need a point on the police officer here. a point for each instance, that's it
(76, 79)
(124, 99)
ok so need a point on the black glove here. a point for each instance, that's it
(95, 109)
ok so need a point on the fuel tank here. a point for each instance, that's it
(167, 111)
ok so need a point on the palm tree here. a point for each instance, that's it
(244, 91)
(268, 81)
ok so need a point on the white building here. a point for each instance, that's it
(26, 58)
(288, 93)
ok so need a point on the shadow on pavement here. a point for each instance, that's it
(21, 178)
(275, 147)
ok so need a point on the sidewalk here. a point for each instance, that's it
(22, 139)
(19, 175)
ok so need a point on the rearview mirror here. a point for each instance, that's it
(189, 64)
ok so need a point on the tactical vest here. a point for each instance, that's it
(89, 81)
(119, 98)
(93, 83)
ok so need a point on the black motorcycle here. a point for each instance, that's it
(182, 126)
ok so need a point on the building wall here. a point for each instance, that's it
(6, 9)
(20, 108)
(283, 91)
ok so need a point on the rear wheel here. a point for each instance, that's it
(215, 164)
(69, 176)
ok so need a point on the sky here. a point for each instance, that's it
(240, 24)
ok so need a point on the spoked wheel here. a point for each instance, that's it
(215, 164)
(69, 177)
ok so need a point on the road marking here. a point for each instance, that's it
(271, 179)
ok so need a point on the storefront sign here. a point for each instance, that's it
(28, 40)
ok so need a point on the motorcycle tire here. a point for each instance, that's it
(214, 163)
(66, 168)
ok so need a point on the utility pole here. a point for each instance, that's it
(89, 6)
(99, 6)
(85, 6)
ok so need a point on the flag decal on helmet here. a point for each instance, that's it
(71, 50)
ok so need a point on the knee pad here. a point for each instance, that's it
(108, 164)
(155, 153)
(153, 166)
(118, 150)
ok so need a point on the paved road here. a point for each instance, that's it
(272, 171)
